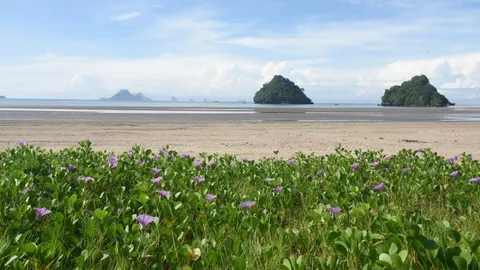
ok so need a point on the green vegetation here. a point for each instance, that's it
(81, 209)
(418, 92)
(281, 90)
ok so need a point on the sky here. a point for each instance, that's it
(337, 50)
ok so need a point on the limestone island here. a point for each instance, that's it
(417, 92)
(281, 90)
(125, 95)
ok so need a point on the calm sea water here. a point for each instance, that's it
(103, 103)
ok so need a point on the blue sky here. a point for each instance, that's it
(339, 50)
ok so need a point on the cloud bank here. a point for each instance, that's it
(198, 53)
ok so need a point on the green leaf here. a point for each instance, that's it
(467, 256)
(460, 262)
(80, 260)
(239, 264)
(99, 214)
(428, 243)
(446, 224)
(72, 199)
(377, 236)
(14, 257)
(90, 228)
(59, 217)
(397, 260)
(393, 249)
(341, 247)
(403, 254)
(286, 264)
(391, 226)
(30, 248)
(475, 244)
(46, 251)
(332, 236)
(384, 259)
(454, 235)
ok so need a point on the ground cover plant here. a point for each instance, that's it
(82, 209)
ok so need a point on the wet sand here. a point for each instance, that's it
(253, 140)
(163, 114)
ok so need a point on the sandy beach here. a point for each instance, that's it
(253, 140)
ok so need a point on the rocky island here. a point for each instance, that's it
(2, 97)
(417, 92)
(281, 90)
(125, 95)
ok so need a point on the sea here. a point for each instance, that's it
(105, 110)
(182, 104)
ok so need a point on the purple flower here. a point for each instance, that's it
(277, 189)
(470, 156)
(272, 158)
(454, 174)
(475, 180)
(247, 204)
(420, 150)
(157, 180)
(244, 159)
(163, 193)
(388, 157)
(210, 197)
(25, 191)
(129, 154)
(355, 165)
(198, 179)
(185, 155)
(112, 161)
(144, 220)
(334, 210)
(22, 143)
(197, 164)
(374, 164)
(40, 212)
(156, 171)
(139, 162)
(379, 187)
(85, 179)
(291, 161)
(269, 179)
(71, 168)
(453, 160)
(406, 170)
(156, 157)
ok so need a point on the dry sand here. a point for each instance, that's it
(252, 140)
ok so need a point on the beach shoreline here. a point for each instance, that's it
(171, 114)
(251, 140)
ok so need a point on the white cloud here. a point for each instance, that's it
(126, 16)
(218, 75)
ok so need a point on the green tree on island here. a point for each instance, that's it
(417, 92)
(281, 90)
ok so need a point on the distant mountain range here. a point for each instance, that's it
(125, 95)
